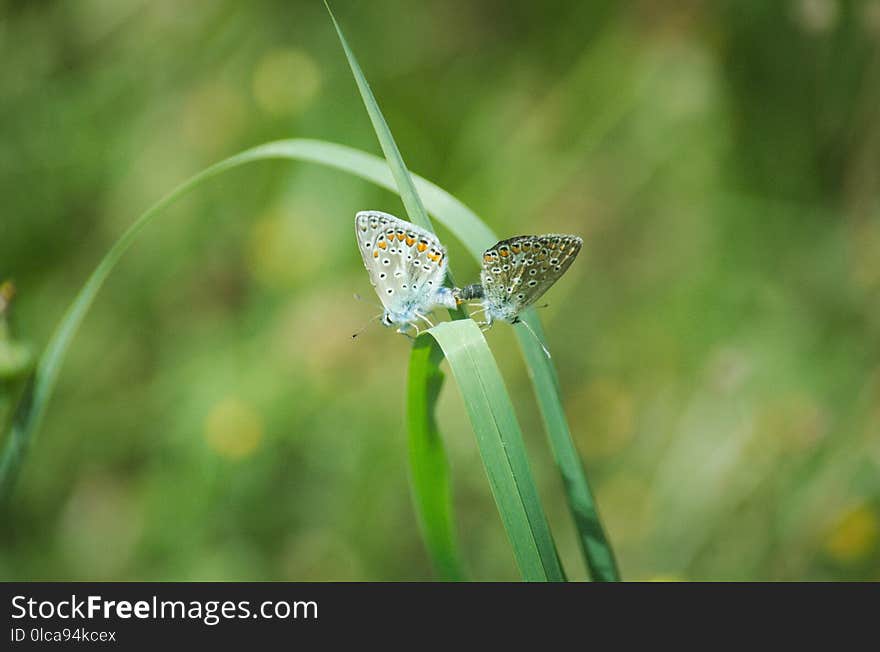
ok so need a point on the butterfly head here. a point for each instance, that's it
(413, 309)
(399, 319)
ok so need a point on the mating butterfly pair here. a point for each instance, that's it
(407, 267)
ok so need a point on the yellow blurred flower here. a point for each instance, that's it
(854, 535)
(233, 428)
(285, 81)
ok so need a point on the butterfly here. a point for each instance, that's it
(407, 267)
(517, 271)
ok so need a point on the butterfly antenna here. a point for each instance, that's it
(354, 335)
(537, 339)
(358, 297)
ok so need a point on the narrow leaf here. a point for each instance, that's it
(429, 470)
(591, 536)
(501, 447)
(411, 201)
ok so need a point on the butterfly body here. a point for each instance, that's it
(406, 265)
(516, 272)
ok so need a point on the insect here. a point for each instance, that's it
(517, 271)
(407, 267)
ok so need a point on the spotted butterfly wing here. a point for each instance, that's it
(517, 271)
(406, 265)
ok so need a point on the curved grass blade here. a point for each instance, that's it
(429, 470)
(501, 447)
(31, 407)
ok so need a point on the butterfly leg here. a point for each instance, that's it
(402, 331)
(482, 309)
(425, 319)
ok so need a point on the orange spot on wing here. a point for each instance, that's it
(375, 254)
(515, 249)
(422, 246)
(381, 244)
(504, 253)
(401, 236)
(410, 241)
(488, 258)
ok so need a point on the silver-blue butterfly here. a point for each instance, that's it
(517, 271)
(407, 267)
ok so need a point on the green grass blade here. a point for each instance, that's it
(501, 447)
(594, 544)
(429, 470)
(411, 201)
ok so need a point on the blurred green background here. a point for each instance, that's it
(718, 340)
